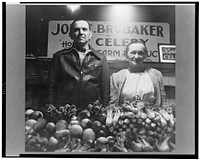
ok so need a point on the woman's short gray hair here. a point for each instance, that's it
(136, 42)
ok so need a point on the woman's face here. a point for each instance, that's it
(136, 54)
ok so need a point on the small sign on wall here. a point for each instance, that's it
(167, 53)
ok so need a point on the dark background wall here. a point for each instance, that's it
(38, 17)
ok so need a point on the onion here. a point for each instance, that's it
(111, 129)
(143, 115)
(139, 121)
(163, 147)
(137, 147)
(134, 120)
(121, 122)
(124, 126)
(147, 126)
(155, 133)
(135, 130)
(153, 125)
(147, 147)
(148, 121)
(117, 126)
(150, 133)
(128, 130)
(115, 132)
(158, 129)
(127, 121)
(142, 131)
(131, 125)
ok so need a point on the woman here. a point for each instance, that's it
(137, 82)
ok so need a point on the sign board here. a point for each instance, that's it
(110, 38)
(167, 53)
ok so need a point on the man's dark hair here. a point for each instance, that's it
(136, 42)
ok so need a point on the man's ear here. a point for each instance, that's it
(91, 34)
(70, 35)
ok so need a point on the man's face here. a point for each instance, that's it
(136, 54)
(80, 33)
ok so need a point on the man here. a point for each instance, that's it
(79, 75)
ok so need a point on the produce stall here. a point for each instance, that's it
(131, 127)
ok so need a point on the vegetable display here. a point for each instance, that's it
(132, 127)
